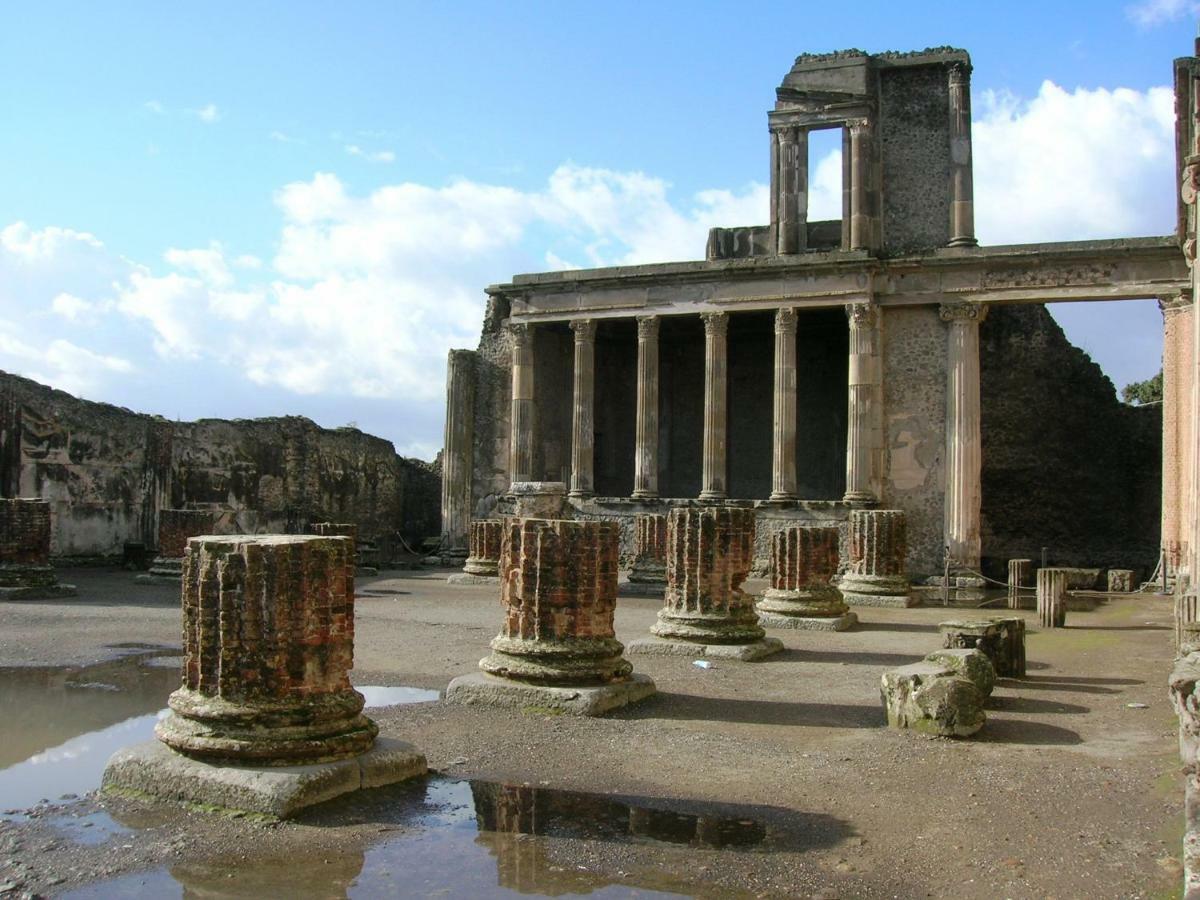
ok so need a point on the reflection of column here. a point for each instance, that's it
(783, 468)
(962, 204)
(864, 429)
(456, 457)
(583, 418)
(716, 327)
(521, 436)
(791, 186)
(645, 478)
(963, 452)
(860, 185)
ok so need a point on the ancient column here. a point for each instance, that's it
(861, 203)
(650, 553)
(520, 462)
(962, 204)
(716, 327)
(458, 451)
(878, 547)
(864, 429)
(804, 562)
(25, 570)
(790, 183)
(1052, 597)
(645, 475)
(709, 554)
(964, 461)
(783, 466)
(1019, 571)
(484, 559)
(175, 527)
(583, 418)
(268, 638)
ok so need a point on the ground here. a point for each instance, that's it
(1069, 791)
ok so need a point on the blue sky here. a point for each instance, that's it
(215, 210)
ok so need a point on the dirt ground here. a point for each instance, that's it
(1067, 792)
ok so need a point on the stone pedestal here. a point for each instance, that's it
(1019, 573)
(1120, 581)
(175, 527)
(933, 699)
(538, 499)
(878, 546)
(1001, 639)
(483, 563)
(649, 572)
(557, 648)
(268, 638)
(25, 570)
(1052, 597)
(804, 562)
(709, 554)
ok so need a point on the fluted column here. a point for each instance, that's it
(583, 418)
(864, 425)
(645, 476)
(790, 185)
(962, 203)
(520, 458)
(716, 328)
(457, 455)
(963, 440)
(783, 468)
(861, 225)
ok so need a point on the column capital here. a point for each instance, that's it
(585, 330)
(647, 327)
(859, 128)
(715, 323)
(1169, 304)
(963, 313)
(959, 72)
(785, 320)
(519, 332)
(862, 315)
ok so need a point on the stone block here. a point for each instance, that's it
(932, 699)
(973, 665)
(1185, 700)
(481, 689)
(741, 652)
(1120, 581)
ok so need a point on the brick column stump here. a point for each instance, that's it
(268, 638)
(483, 560)
(350, 530)
(556, 648)
(648, 576)
(175, 527)
(876, 572)
(804, 562)
(709, 554)
(25, 570)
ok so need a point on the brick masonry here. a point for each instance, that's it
(24, 532)
(803, 557)
(175, 526)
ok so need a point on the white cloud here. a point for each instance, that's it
(1074, 165)
(208, 263)
(1155, 12)
(379, 156)
(208, 114)
(283, 138)
(69, 306)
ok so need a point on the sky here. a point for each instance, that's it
(239, 210)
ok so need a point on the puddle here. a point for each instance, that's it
(485, 839)
(90, 829)
(62, 724)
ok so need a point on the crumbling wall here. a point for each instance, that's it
(107, 471)
(1066, 465)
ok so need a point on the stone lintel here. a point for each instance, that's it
(155, 770)
(481, 689)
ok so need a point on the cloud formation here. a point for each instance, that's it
(1157, 12)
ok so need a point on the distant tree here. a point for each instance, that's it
(1143, 392)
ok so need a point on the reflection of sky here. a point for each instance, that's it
(75, 766)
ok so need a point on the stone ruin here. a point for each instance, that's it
(876, 575)
(268, 639)
(804, 562)
(483, 557)
(366, 554)
(1019, 573)
(1121, 581)
(25, 570)
(1000, 638)
(175, 527)
(557, 648)
(933, 697)
(1052, 597)
(648, 575)
(709, 554)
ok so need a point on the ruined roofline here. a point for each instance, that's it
(809, 61)
(1157, 247)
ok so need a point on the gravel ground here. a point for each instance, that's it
(1067, 792)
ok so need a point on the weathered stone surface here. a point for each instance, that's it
(875, 575)
(348, 530)
(280, 791)
(1020, 571)
(481, 689)
(268, 638)
(804, 562)
(1120, 581)
(650, 551)
(538, 499)
(932, 699)
(1185, 700)
(558, 586)
(175, 526)
(972, 665)
(1009, 658)
(1052, 597)
(484, 543)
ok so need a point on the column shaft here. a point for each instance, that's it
(456, 458)
(963, 440)
(521, 428)
(962, 203)
(861, 226)
(583, 424)
(864, 426)
(791, 184)
(783, 467)
(645, 478)
(714, 485)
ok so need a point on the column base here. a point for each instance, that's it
(479, 689)
(482, 567)
(783, 496)
(877, 590)
(580, 495)
(713, 495)
(844, 622)
(580, 661)
(859, 497)
(747, 652)
(963, 242)
(644, 495)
